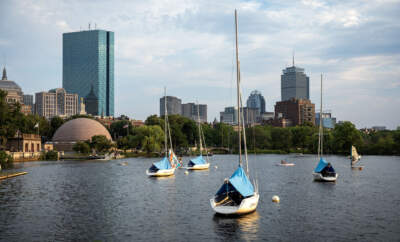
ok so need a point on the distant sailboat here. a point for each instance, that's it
(354, 157)
(165, 167)
(199, 163)
(324, 170)
(237, 194)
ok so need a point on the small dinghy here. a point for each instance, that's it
(198, 163)
(285, 163)
(355, 158)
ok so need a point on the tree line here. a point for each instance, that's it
(149, 138)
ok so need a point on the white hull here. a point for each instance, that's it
(288, 164)
(166, 172)
(319, 177)
(247, 205)
(199, 167)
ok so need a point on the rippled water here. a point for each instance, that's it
(106, 201)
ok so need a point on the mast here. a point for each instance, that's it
(198, 123)
(238, 87)
(321, 130)
(165, 121)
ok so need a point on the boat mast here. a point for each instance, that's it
(321, 129)
(238, 92)
(165, 122)
(198, 123)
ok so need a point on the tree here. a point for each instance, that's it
(100, 143)
(281, 138)
(6, 161)
(345, 135)
(81, 147)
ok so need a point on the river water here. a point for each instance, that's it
(110, 201)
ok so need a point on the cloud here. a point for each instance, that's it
(188, 46)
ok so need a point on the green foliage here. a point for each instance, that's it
(344, 136)
(100, 144)
(6, 161)
(49, 155)
(81, 147)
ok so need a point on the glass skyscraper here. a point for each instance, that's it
(294, 84)
(256, 100)
(88, 68)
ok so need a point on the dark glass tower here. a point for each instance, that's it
(88, 65)
(256, 100)
(294, 84)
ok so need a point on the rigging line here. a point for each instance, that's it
(244, 135)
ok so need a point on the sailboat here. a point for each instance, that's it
(166, 166)
(199, 163)
(354, 157)
(324, 170)
(237, 194)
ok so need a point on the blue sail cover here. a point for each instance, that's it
(321, 165)
(241, 182)
(163, 164)
(198, 160)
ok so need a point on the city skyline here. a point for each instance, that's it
(353, 44)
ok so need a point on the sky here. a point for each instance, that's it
(188, 46)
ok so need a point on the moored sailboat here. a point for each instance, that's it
(237, 194)
(324, 171)
(199, 163)
(166, 166)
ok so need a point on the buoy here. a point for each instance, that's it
(215, 167)
(186, 172)
(275, 199)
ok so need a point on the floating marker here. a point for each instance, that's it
(186, 172)
(275, 199)
(215, 167)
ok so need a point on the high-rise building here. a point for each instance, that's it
(189, 110)
(294, 84)
(28, 99)
(229, 116)
(56, 102)
(88, 68)
(298, 111)
(174, 105)
(256, 100)
(251, 115)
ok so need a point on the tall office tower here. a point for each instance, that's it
(56, 102)
(174, 105)
(88, 68)
(28, 99)
(256, 100)
(189, 110)
(294, 84)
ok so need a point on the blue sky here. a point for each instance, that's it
(188, 47)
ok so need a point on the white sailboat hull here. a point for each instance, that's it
(248, 205)
(319, 177)
(165, 172)
(199, 167)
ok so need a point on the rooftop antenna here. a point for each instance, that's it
(89, 25)
(293, 58)
(95, 26)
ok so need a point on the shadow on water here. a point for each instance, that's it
(230, 227)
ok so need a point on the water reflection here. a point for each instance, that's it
(237, 227)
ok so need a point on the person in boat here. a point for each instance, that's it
(328, 170)
(283, 162)
(180, 162)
